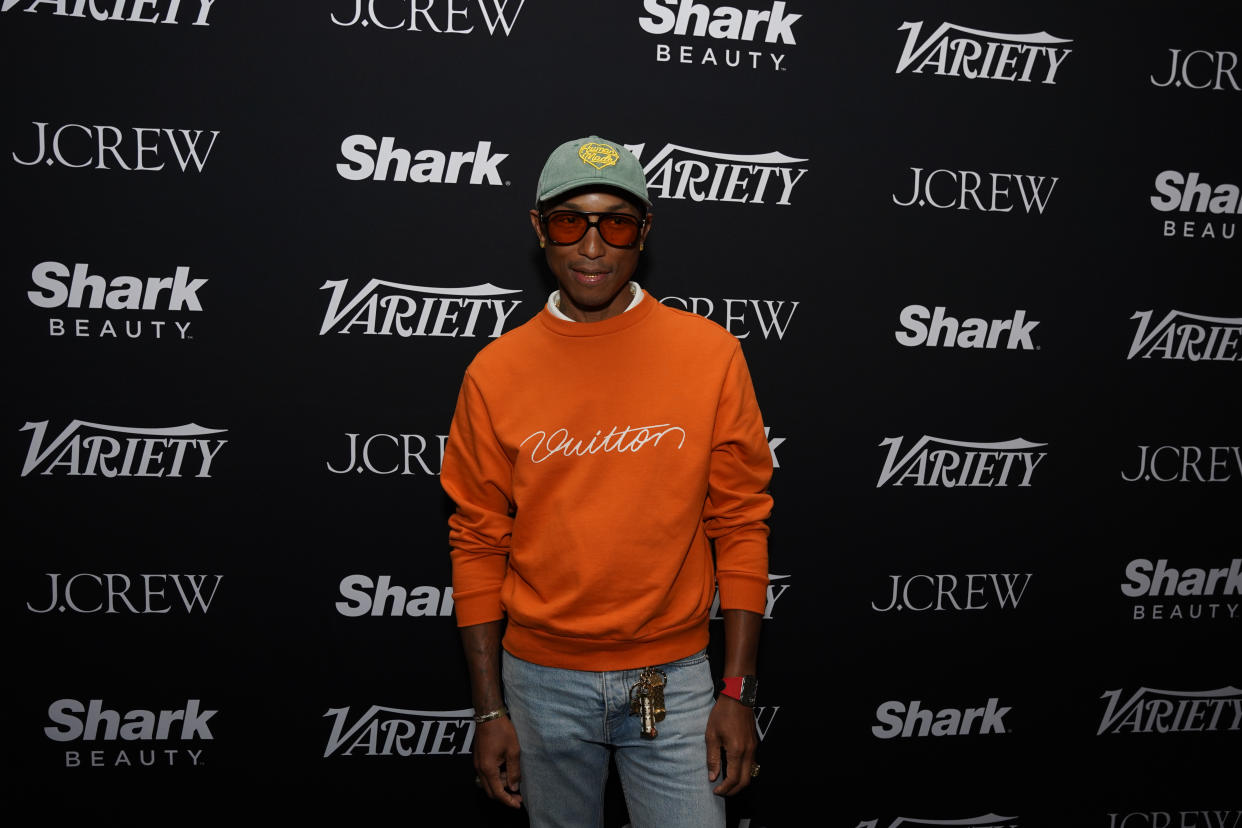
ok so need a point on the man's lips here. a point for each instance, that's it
(589, 276)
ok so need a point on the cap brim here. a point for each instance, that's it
(592, 181)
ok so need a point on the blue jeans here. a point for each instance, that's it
(569, 721)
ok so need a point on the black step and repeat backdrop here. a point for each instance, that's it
(984, 262)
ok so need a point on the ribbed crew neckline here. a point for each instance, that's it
(617, 323)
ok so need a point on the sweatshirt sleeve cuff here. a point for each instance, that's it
(477, 607)
(742, 572)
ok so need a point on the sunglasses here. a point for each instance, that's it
(569, 226)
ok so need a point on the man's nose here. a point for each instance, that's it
(592, 244)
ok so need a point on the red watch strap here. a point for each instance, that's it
(732, 687)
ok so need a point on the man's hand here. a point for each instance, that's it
(496, 751)
(731, 730)
(497, 759)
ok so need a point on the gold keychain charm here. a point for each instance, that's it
(647, 700)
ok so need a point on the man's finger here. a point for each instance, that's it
(733, 770)
(496, 783)
(713, 757)
(513, 770)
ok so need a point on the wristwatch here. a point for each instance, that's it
(740, 688)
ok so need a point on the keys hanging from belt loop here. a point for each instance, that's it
(647, 700)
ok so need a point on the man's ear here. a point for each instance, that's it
(538, 225)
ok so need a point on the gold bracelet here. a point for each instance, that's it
(480, 718)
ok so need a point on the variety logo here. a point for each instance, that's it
(59, 287)
(73, 721)
(1175, 819)
(741, 317)
(943, 592)
(1185, 193)
(126, 11)
(439, 16)
(383, 308)
(979, 55)
(364, 596)
(394, 731)
(972, 333)
(80, 146)
(1213, 69)
(742, 822)
(775, 591)
(1187, 464)
(764, 716)
(959, 189)
(897, 719)
(1182, 335)
(1148, 580)
(402, 454)
(113, 593)
(688, 18)
(375, 161)
(85, 449)
(705, 175)
(1148, 710)
(935, 461)
(984, 821)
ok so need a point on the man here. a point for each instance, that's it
(597, 455)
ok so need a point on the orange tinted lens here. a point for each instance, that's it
(566, 228)
(618, 230)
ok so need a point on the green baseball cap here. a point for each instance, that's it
(591, 161)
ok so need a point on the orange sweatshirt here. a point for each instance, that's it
(592, 466)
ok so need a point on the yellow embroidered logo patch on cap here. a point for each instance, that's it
(598, 155)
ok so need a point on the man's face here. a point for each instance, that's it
(592, 275)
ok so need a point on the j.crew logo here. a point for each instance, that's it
(741, 317)
(449, 17)
(97, 146)
(598, 155)
(1167, 819)
(1213, 72)
(114, 593)
(985, 821)
(946, 189)
(392, 454)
